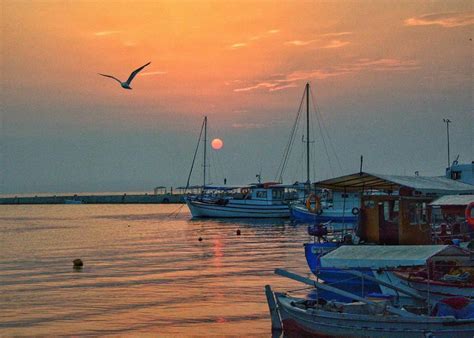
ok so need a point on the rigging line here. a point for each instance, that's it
(291, 148)
(331, 144)
(176, 212)
(290, 140)
(314, 148)
(321, 130)
(194, 157)
(318, 113)
(285, 152)
(288, 147)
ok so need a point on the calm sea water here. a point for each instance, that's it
(145, 272)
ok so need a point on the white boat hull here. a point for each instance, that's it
(237, 209)
(320, 322)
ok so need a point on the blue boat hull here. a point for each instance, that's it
(302, 214)
(336, 277)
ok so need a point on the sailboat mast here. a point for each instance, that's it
(205, 149)
(307, 133)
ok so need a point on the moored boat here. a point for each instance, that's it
(265, 200)
(374, 317)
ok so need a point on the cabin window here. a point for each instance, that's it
(455, 175)
(345, 195)
(261, 194)
(277, 194)
(369, 204)
(417, 213)
(391, 210)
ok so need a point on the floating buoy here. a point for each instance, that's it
(200, 239)
(78, 264)
(238, 232)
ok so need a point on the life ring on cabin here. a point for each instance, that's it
(355, 211)
(317, 204)
(469, 216)
(244, 191)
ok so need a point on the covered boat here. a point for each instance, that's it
(431, 271)
(365, 316)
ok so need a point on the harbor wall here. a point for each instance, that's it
(96, 199)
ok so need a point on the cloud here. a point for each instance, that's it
(267, 85)
(152, 73)
(336, 44)
(337, 34)
(447, 20)
(238, 45)
(291, 80)
(254, 38)
(299, 42)
(248, 125)
(106, 33)
(276, 88)
(331, 44)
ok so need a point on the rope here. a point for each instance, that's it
(289, 145)
(176, 212)
(323, 129)
(194, 157)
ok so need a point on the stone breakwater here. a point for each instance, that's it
(96, 199)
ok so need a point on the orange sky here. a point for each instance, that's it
(243, 63)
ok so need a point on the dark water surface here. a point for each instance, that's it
(145, 273)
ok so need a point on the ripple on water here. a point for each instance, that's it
(144, 271)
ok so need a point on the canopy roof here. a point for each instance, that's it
(387, 256)
(461, 200)
(425, 184)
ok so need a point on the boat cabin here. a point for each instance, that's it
(270, 192)
(394, 209)
(461, 172)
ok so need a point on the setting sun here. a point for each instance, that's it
(217, 144)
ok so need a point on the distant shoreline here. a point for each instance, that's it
(91, 198)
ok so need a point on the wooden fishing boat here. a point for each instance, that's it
(431, 271)
(448, 285)
(262, 200)
(362, 317)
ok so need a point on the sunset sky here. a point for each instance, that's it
(384, 74)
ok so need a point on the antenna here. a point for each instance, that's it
(447, 121)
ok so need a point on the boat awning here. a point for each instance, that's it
(225, 187)
(454, 200)
(367, 181)
(387, 256)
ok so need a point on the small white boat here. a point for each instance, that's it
(364, 316)
(266, 200)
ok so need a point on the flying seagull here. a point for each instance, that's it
(126, 84)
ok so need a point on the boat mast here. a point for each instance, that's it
(205, 146)
(307, 134)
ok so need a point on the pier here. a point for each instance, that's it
(96, 199)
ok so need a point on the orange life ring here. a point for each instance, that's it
(317, 203)
(244, 191)
(469, 216)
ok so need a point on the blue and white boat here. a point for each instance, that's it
(337, 207)
(261, 200)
